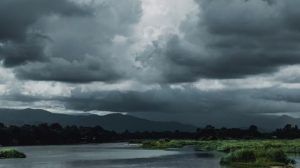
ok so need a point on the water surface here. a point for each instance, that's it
(114, 155)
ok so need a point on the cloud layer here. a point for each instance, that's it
(194, 61)
(65, 41)
(99, 41)
(230, 40)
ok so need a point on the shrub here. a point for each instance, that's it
(277, 155)
(11, 153)
(270, 157)
(242, 155)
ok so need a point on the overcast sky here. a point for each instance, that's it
(183, 60)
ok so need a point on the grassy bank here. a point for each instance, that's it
(257, 158)
(255, 153)
(165, 144)
(11, 153)
(288, 146)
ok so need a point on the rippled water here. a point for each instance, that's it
(116, 155)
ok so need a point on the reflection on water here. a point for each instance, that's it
(115, 155)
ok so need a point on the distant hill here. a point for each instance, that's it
(116, 122)
(263, 122)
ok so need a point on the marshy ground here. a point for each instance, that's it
(240, 153)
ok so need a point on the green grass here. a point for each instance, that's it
(288, 146)
(11, 153)
(165, 144)
(257, 158)
(244, 153)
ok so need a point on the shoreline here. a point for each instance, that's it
(250, 153)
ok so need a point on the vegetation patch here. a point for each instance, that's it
(257, 158)
(287, 146)
(240, 153)
(165, 144)
(11, 153)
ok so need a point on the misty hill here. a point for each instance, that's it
(234, 120)
(264, 122)
(116, 122)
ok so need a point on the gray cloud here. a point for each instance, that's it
(73, 43)
(235, 108)
(64, 41)
(20, 42)
(184, 100)
(227, 107)
(287, 95)
(229, 39)
(16, 53)
(16, 17)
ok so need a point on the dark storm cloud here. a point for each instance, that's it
(19, 52)
(66, 41)
(59, 69)
(286, 95)
(16, 17)
(230, 39)
(20, 43)
(236, 108)
(18, 97)
(184, 100)
(232, 108)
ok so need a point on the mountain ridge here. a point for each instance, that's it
(119, 122)
(116, 122)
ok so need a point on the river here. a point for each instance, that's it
(114, 155)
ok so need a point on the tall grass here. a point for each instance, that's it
(262, 158)
(253, 153)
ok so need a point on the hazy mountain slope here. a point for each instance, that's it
(117, 122)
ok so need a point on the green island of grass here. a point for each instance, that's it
(11, 153)
(240, 153)
(257, 158)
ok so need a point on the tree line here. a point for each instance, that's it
(55, 134)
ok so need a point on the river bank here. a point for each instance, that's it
(250, 153)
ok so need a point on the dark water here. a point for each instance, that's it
(117, 155)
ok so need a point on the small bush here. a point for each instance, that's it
(277, 155)
(242, 155)
(11, 153)
(270, 157)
